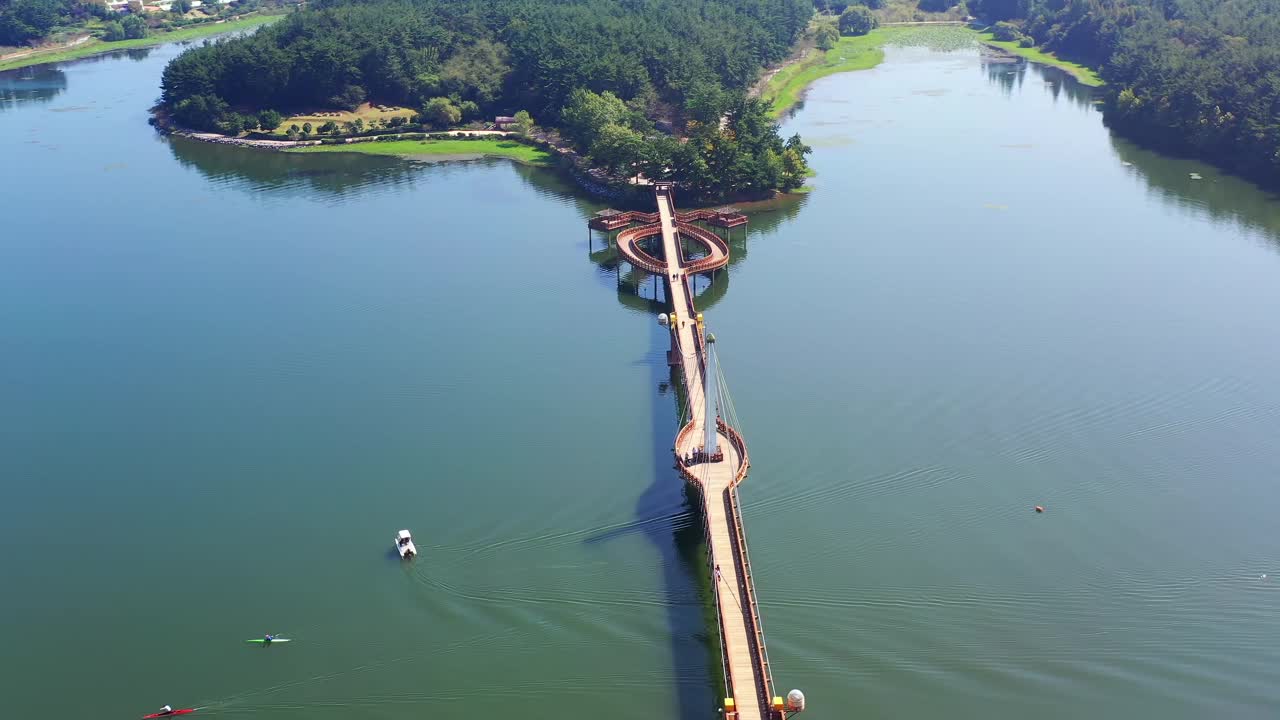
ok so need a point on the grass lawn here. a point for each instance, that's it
(1086, 75)
(96, 46)
(365, 112)
(409, 148)
(850, 53)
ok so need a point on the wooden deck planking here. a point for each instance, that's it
(716, 480)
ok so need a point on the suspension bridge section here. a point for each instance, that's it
(709, 449)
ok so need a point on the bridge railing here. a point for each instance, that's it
(712, 241)
(759, 650)
(626, 242)
(712, 564)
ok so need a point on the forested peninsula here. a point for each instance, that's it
(1195, 77)
(654, 87)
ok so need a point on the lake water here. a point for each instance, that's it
(227, 377)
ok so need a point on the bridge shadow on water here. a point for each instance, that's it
(669, 515)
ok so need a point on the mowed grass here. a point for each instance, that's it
(1085, 75)
(517, 151)
(96, 46)
(365, 112)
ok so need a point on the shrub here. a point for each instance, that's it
(112, 31)
(1006, 31)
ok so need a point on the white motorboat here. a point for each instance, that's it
(404, 544)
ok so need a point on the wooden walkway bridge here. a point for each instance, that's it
(709, 452)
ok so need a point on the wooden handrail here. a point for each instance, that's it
(632, 252)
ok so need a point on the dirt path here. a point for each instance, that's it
(278, 144)
(46, 48)
(800, 55)
(926, 22)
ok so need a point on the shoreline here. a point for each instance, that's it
(785, 87)
(1083, 74)
(464, 145)
(89, 46)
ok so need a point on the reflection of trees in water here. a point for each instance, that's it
(1006, 75)
(342, 174)
(256, 170)
(336, 174)
(39, 83)
(1011, 75)
(1227, 199)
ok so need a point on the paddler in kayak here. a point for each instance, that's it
(266, 639)
(166, 710)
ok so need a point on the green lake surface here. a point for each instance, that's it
(228, 377)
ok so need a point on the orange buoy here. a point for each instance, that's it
(1039, 508)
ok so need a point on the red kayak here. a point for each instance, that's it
(171, 713)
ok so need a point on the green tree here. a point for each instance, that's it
(476, 72)
(794, 166)
(524, 123)
(306, 128)
(232, 124)
(135, 27)
(873, 4)
(200, 112)
(857, 20)
(587, 113)
(329, 128)
(440, 112)
(826, 36)
(182, 7)
(469, 110)
(269, 120)
(1001, 9)
(617, 149)
(112, 31)
(1006, 31)
(705, 103)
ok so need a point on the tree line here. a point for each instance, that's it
(24, 21)
(28, 22)
(633, 72)
(1199, 77)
